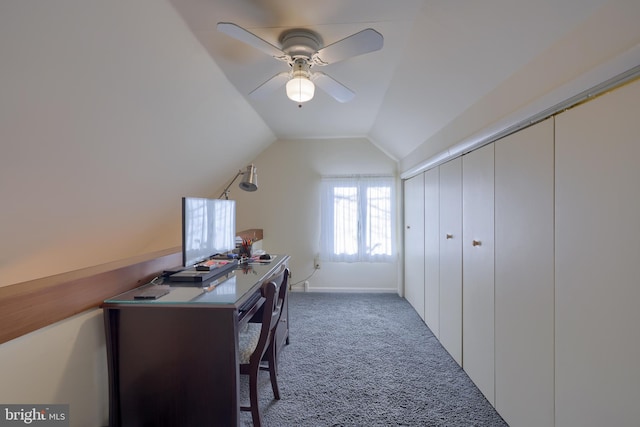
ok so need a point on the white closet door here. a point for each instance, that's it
(414, 242)
(524, 289)
(478, 271)
(432, 250)
(598, 261)
(450, 238)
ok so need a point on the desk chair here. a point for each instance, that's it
(254, 340)
(283, 279)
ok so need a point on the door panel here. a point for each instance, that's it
(597, 256)
(524, 282)
(478, 268)
(450, 238)
(414, 242)
(432, 250)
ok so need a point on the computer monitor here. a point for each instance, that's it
(208, 228)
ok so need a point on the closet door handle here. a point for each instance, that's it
(476, 243)
(449, 236)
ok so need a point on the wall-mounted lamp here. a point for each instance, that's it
(249, 181)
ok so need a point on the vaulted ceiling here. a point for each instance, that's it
(439, 58)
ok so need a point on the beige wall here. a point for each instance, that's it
(110, 111)
(287, 207)
(63, 363)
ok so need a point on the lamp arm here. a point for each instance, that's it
(225, 193)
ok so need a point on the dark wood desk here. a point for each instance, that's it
(173, 361)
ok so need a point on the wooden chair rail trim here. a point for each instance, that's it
(28, 306)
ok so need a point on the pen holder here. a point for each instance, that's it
(245, 250)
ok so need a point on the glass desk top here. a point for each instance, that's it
(230, 289)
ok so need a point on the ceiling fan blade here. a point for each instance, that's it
(270, 85)
(365, 41)
(251, 39)
(340, 92)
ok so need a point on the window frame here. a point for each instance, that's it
(364, 206)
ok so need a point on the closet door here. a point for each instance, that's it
(597, 261)
(524, 289)
(450, 238)
(478, 271)
(414, 242)
(432, 250)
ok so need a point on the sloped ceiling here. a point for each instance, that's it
(439, 58)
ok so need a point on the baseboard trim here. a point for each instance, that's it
(346, 289)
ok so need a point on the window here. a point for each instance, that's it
(358, 219)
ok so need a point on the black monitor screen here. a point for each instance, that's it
(208, 228)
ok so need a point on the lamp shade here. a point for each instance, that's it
(249, 179)
(300, 89)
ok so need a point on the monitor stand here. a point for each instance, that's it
(194, 275)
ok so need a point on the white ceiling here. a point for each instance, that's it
(439, 58)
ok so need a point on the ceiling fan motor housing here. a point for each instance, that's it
(300, 43)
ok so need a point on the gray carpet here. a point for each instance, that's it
(366, 360)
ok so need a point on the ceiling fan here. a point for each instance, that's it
(301, 50)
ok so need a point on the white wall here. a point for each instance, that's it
(287, 207)
(605, 44)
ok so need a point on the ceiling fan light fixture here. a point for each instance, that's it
(300, 88)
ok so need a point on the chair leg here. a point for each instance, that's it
(273, 371)
(253, 398)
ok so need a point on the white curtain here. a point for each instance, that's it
(358, 219)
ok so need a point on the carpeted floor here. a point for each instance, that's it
(366, 360)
